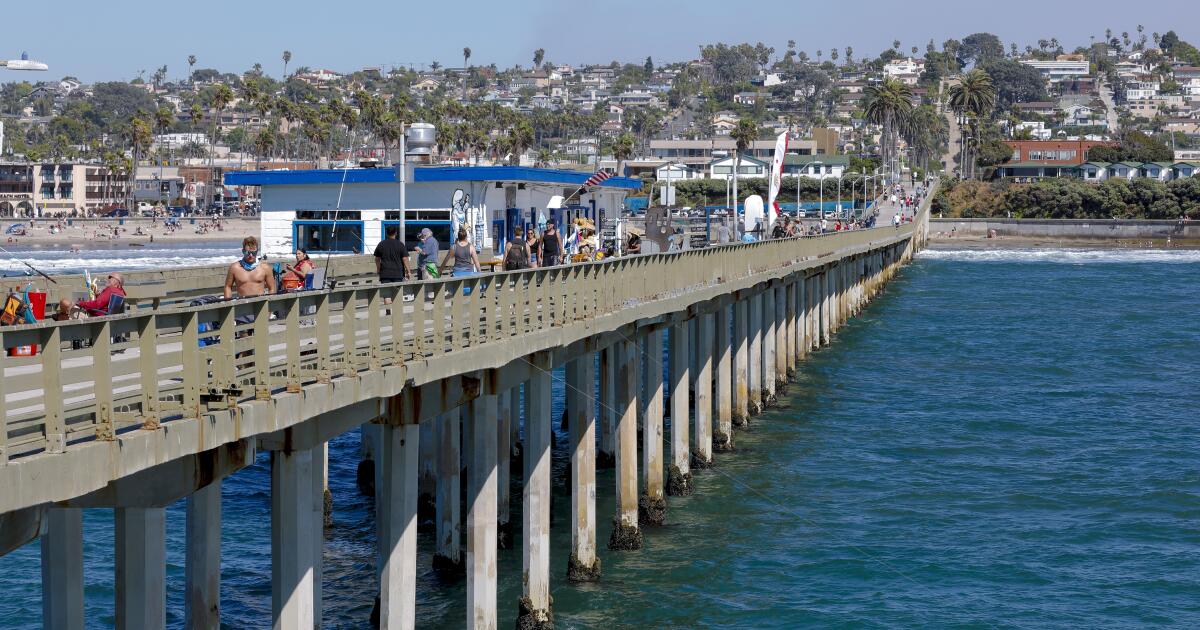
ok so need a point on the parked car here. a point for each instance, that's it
(177, 211)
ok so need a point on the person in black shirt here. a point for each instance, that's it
(550, 247)
(391, 257)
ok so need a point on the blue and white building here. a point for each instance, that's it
(347, 211)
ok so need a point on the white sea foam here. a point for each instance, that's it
(1064, 255)
(55, 261)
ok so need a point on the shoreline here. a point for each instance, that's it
(98, 235)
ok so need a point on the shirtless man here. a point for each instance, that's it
(246, 276)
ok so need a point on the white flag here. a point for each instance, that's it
(776, 179)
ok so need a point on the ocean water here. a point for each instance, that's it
(1001, 440)
(103, 257)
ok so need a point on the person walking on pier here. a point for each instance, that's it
(391, 257)
(550, 247)
(516, 252)
(427, 255)
(462, 253)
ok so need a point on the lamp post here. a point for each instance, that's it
(820, 187)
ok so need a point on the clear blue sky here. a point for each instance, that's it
(98, 43)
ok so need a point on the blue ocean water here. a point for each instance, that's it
(1002, 439)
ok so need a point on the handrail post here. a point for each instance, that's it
(148, 369)
(398, 325)
(262, 351)
(374, 336)
(292, 339)
(324, 351)
(191, 365)
(349, 342)
(52, 391)
(102, 383)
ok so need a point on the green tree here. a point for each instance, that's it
(287, 58)
(744, 135)
(979, 48)
(538, 56)
(1014, 81)
(466, 55)
(888, 104)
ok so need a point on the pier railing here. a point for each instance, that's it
(93, 379)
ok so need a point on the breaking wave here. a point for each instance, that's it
(1064, 255)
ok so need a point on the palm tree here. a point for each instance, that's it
(287, 57)
(139, 136)
(466, 56)
(744, 135)
(887, 104)
(191, 62)
(973, 96)
(896, 44)
(538, 56)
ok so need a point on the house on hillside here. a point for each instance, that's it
(748, 168)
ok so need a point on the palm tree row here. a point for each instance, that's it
(889, 104)
(972, 98)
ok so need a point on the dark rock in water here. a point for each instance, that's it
(722, 441)
(328, 507)
(624, 537)
(577, 572)
(698, 461)
(530, 619)
(426, 513)
(679, 484)
(504, 535)
(651, 510)
(605, 460)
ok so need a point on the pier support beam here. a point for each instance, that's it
(398, 576)
(504, 538)
(606, 457)
(291, 538)
(535, 607)
(723, 360)
(626, 535)
(770, 333)
(584, 565)
(652, 506)
(481, 515)
(141, 568)
(447, 555)
(812, 298)
(741, 362)
(755, 331)
(826, 312)
(679, 477)
(62, 569)
(784, 366)
(702, 456)
(202, 558)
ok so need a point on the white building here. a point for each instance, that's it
(675, 171)
(1065, 68)
(347, 211)
(907, 70)
(1136, 90)
(748, 168)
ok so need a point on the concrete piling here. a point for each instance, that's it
(583, 565)
(606, 457)
(723, 351)
(702, 454)
(504, 539)
(652, 505)
(481, 515)
(141, 567)
(679, 477)
(399, 490)
(291, 539)
(535, 607)
(769, 335)
(782, 368)
(626, 534)
(447, 555)
(755, 331)
(741, 362)
(202, 558)
(62, 569)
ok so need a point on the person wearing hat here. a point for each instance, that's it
(114, 286)
(426, 254)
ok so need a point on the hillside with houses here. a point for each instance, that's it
(1124, 105)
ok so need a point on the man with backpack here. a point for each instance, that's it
(516, 252)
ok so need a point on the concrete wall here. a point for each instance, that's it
(1067, 228)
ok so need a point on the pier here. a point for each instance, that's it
(449, 379)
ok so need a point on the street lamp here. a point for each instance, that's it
(820, 187)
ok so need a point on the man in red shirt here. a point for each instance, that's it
(98, 307)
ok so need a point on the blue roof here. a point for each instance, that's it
(424, 174)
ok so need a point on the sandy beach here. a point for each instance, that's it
(86, 234)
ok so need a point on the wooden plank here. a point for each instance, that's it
(102, 383)
(148, 369)
(52, 391)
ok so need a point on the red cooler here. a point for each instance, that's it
(37, 302)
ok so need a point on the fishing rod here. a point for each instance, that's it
(31, 267)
